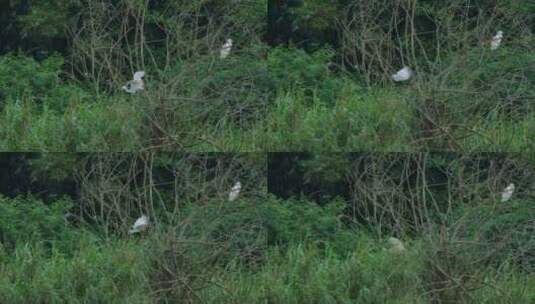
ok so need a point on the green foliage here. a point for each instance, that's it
(217, 253)
(294, 70)
(297, 221)
(506, 83)
(54, 166)
(317, 14)
(500, 89)
(22, 76)
(45, 258)
(504, 230)
(305, 274)
(98, 273)
(45, 19)
(197, 93)
(518, 288)
(26, 220)
(356, 122)
(83, 127)
(284, 98)
(328, 89)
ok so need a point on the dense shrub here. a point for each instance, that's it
(294, 70)
(302, 221)
(504, 232)
(290, 251)
(27, 220)
(22, 77)
(100, 272)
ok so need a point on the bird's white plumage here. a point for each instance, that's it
(138, 75)
(225, 49)
(234, 192)
(496, 40)
(404, 74)
(508, 192)
(396, 246)
(136, 84)
(140, 224)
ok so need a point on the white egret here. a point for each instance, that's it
(508, 192)
(225, 49)
(404, 74)
(234, 192)
(496, 40)
(135, 84)
(396, 246)
(141, 224)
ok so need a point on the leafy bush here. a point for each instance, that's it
(26, 220)
(293, 69)
(301, 221)
(22, 76)
(289, 251)
(23, 79)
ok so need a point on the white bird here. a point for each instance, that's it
(396, 246)
(508, 192)
(141, 224)
(234, 192)
(135, 84)
(404, 74)
(225, 49)
(496, 40)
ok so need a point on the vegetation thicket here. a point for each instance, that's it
(463, 97)
(301, 75)
(320, 239)
(68, 94)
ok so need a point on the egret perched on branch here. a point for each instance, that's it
(508, 192)
(234, 192)
(496, 40)
(135, 84)
(403, 75)
(141, 224)
(396, 246)
(225, 49)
